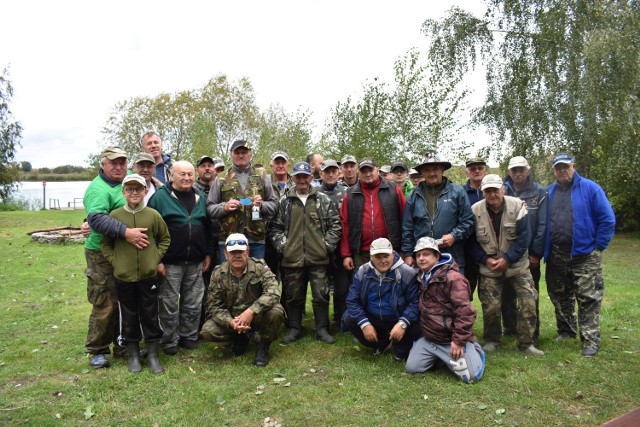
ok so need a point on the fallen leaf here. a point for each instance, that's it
(500, 411)
(279, 380)
(58, 416)
(191, 369)
(259, 392)
(88, 412)
(286, 385)
(312, 370)
(615, 337)
(44, 342)
(579, 394)
(35, 350)
(483, 406)
(260, 387)
(54, 327)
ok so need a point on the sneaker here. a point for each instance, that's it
(188, 344)
(562, 337)
(532, 351)
(99, 361)
(490, 347)
(589, 352)
(171, 351)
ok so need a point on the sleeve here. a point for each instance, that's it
(466, 222)
(215, 208)
(402, 201)
(332, 236)
(408, 240)
(276, 234)
(270, 293)
(537, 239)
(345, 250)
(523, 236)
(162, 236)
(269, 206)
(464, 312)
(216, 305)
(411, 313)
(107, 247)
(355, 309)
(106, 225)
(605, 220)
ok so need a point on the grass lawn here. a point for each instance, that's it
(45, 378)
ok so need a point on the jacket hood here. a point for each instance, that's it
(397, 262)
(445, 259)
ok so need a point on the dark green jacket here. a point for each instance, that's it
(306, 234)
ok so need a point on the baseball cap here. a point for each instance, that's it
(113, 153)
(236, 242)
(301, 168)
(385, 168)
(412, 171)
(218, 163)
(399, 164)
(367, 162)
(475, 161)
(240, 143)
(144, 157)
(563, 158)
(134, 177)
(426, 243)
(329, 163)
(491, 181)
(380, 246)
(348, 158)
(518, 162)
(279, 153)
(203, 158)
(433, 159)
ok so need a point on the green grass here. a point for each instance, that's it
(45, 378)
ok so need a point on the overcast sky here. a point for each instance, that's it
(72, 61)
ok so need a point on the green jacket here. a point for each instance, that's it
(130, 264)
(306, 234)
(229, 296)
(408, 188)
(101, 197)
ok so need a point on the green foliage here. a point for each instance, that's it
(25, 166)
(45, 378)
(289, 132)
(417, 114)
(10, 136)
(561, 75)
(17, 202)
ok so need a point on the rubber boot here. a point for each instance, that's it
(295, 324)
(153, 358)
(262, 354)
(133, 353)
(322, 324)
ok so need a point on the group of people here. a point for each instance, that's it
(227, 254)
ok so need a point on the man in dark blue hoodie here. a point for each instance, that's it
(151, 143)
(382, 305)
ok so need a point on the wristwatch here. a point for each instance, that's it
(403, 324)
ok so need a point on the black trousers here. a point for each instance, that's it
(138, 303)
(383, 328)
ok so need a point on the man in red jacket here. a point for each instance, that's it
(446, 317)
(371, 209)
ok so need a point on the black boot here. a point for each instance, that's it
(239, 344)
(153, 358)
(295, 324)
(133, 352)
(262, 354)
(322, 324)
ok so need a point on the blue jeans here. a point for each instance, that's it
(256, 250)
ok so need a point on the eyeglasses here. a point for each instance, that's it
(237, 242)
(134, 189)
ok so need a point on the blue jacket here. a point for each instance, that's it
(593, 218)
(395, 293)
(535, 196)
(453, 216)
(474, 194)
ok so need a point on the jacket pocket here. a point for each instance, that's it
(510, 230)
(482, 235)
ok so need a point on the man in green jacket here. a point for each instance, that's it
(306, 231)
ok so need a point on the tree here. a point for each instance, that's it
(419, 113)
(289, 132)
(561, 75)
(26, 166)
(10, 136)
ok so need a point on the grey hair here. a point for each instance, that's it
(146, 134)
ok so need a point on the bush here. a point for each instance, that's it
(20, 203)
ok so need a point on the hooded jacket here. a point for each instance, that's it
(535, 196)
(445, 311)
(391, 296)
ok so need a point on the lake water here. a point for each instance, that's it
(58, 194)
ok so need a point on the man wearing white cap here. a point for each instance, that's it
(242, 301)
(382, 305)
(519, 183)
(446, 317)
(502, 236)
(580, 225)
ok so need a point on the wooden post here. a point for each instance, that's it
(44, 195)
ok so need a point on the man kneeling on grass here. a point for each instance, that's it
(242, 301)
(446, 317)
(382, 304)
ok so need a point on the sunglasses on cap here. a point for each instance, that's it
(237, 242)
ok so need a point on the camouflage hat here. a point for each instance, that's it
(427, 243)
(475, 161)
(385, 168)
(348, 158)
(113, 153)
(218, 163)
(281, 154)
(143, 157)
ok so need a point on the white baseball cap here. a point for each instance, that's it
(381, 246)
(236, 242)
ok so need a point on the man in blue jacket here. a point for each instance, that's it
(437, 208)
(382, 305)
(580, 225)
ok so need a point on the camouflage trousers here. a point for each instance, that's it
(576, 279)
(296, 280)
(180, 303)
(490, 294)
(267, 325)
(101, 293)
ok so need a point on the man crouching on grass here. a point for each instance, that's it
(243, 300)
(446, 317)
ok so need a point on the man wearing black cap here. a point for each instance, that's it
(476, 169)
(242, 199)
(580, 225)
(398, 175)
(371, 209)
(437, 208)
